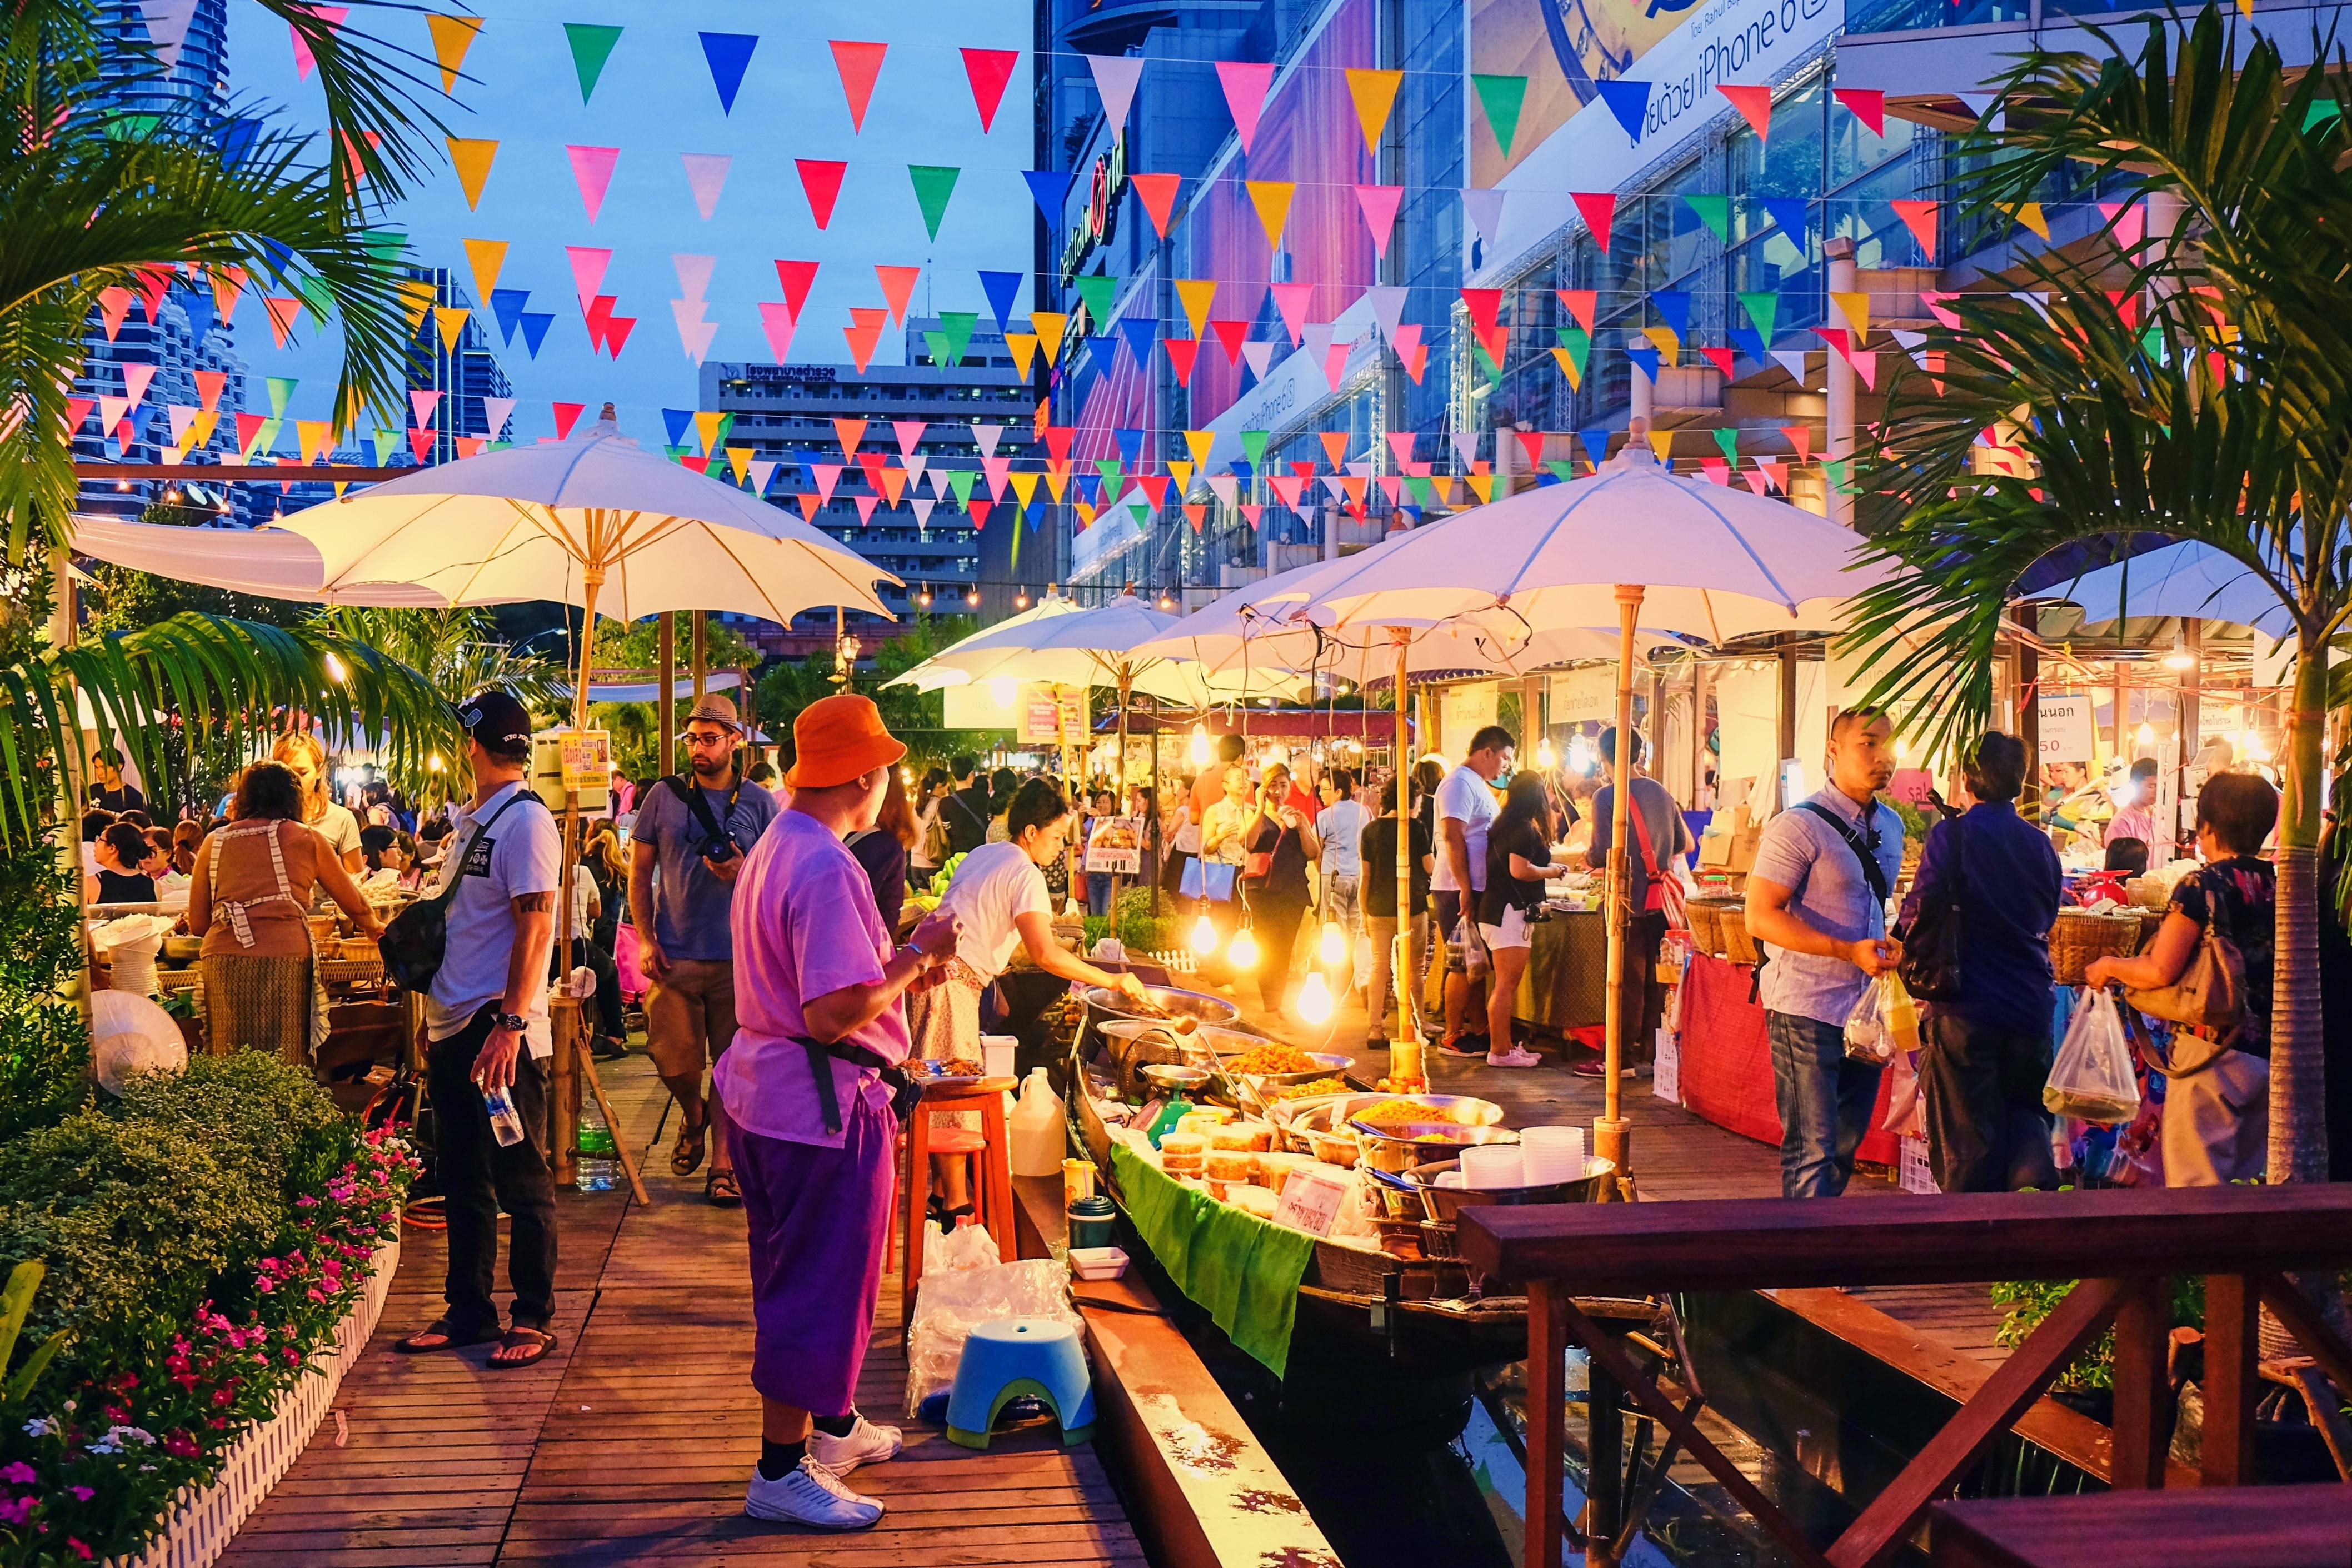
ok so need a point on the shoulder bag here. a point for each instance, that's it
(416, 940)
(1666, 889)
(2210, 998)
(1930, 968)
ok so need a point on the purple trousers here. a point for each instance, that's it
(820, 1224)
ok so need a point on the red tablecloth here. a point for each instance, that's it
(1727, 1063)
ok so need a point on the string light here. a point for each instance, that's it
(1332, 949)
(1243, 955)
(924, 599)
(1021, 600)
(1199, 751)
(1204, 935)
(2146, 735)
(1165, 603)
(973, 598)
(1315, 999)
(1544, 757)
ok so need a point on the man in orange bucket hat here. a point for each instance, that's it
(811, 1085)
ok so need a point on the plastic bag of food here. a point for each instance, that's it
(2091, 1077)
(1866, 1036)
(951, 1304)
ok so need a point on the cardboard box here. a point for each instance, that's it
(1731, 848)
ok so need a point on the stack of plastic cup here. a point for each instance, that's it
(1552, 1155)
(1486, 1167)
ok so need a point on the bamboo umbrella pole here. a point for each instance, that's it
(666, 710)
(1405, 1063)
(1612, 1135)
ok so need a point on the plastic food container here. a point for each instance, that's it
(1098, 1262)
(1091, 1222)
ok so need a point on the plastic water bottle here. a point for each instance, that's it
(599, 1164)
(506, 1121)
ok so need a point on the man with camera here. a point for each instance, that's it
(692, 832)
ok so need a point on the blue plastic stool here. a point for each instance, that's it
(1013, 1356)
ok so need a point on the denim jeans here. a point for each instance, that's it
(479, 1176)
(1824, 1098)
(1098, 893)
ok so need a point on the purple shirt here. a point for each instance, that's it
(805, 925)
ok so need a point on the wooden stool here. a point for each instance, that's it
(992, 1184)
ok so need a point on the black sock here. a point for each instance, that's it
(836, 1425)
(778, 1461)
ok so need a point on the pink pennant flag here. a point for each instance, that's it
(693, 274)
(592, 167)
(865, 505)
(1245, 85)
(588, 264)
(1411, 351)
(776, 321)
(909, 432)
(304, 60)
(827, 475)
(705, 174)
(1114, 78)
(424, 404)
(1292, 300)
(1379, 208)
(113, 306)
(136, 380)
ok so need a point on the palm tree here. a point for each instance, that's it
(459, 651)
(2191, 388)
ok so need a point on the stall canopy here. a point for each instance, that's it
(266, 563)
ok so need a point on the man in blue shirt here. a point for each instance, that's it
(1988, 1055)
(1817, 904)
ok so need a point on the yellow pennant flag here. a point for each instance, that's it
(199, 428)
(1668, 346)
(314, 435)
(452, 36)
(1183, 470)
(739, 459)
(471, 157)
(1086, 515)
(1855, 309)
(1024, 351)
(1444, 489)
(488, 258)
(1050, 325)
(2029, 216)
(1197, 443)
(705, 429)
(416, 298)
(451, 321)
(1375, 92)
(1196, 295)
(1272, 199)
(1568, 368)
(1024, 485)
(1481, 485)
(1662, 442)
(1058, 480)
(341, 486)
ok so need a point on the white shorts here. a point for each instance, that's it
(1512, 932)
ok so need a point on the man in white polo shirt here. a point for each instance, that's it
(486, 1018)
(1465, 809)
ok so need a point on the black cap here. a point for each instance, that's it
(496, 720)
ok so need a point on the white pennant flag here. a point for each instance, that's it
(1227, 489)
(1466, 445)
(1387, 308)
(1485, 210)
(762, 471)
(1259, 357)
(495, 412)
(987, 435)
(167, 27)
(922, 505)
(1793, 361)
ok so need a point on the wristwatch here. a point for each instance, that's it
(514, 1021)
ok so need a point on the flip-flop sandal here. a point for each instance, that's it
(541, 1343)
(451, 1339)
(685, 1155)
(721, 1191)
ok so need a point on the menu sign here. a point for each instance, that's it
(1053, 715)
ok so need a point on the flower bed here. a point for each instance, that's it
(211, 1243)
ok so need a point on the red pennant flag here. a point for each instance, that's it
(1182, 354)
(1158, 194)
(566, 415)
(989, 71)
(898, 287)
(1057, 441)
(821, 181)
(1800, 437)
(1599, 210)
(599, 314)
(1532, 442)
(1755, 105)
(1197, 514)
(1155, 488)
(1579, 303)
(1919, 217)
(420, 441)
(1720, 359)
(152, 282)
(617, 332)
(859, 64)
(871, 462)
(77, 410)
(1868, 104)
(797, 277)
(699, 465)
(978, 508)
(1229, 336)
(1483, 304)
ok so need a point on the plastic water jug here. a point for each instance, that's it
(1039, 1135)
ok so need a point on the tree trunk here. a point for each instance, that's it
(2298, 1144)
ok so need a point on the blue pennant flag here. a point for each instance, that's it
(507, 305)
(1629, 102)
(1674, 304)
(1749, 341)
(1002, 289)
(235, 138)
(1412, 511)
(728, 53)
(1035, 513)
(1790, 213)
(1141, 333)
(534, 329)
(1596, 441)
(1645, 359)
(1105, 348)
(1242, 470)
(1047, 186)
(1130, 446)
(678, 421)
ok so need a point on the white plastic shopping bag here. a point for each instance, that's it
(2092, 1078)
(1866, 1038)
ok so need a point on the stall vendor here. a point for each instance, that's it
(819, 1018)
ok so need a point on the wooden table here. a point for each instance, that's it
(1567, 982)
(2245, 1527)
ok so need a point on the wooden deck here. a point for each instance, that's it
(633, 1442)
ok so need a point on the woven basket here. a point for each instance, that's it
(1737, 945)
(1706, 929)
(2080, 936)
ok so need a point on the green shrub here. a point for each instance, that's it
(2029, 1301)
(251, 1109)
(1132, 920)
(44, 1044)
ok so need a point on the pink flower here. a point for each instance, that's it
(81, 1494)
(20, 1473)
(14, 1509)
(80, 1551)
(180, 1444)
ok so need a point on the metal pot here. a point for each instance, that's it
(1105, 1005)
(1444, 1204)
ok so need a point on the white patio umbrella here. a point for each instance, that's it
(268, 563)
(2188, 579)
(1634, 543)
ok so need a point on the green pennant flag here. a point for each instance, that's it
(1108, 468)
(1494, 369)
(934, 183)
(1141, 508)
(960, 480)
(1097, 292)
(1578, 344)
(281, 389)
(1763, 308)
(1501, 97)
(1424, 490)
(2320, 113)
(385, 246)
(386, 443)
(317, 297)
(1835, 469)
(958, 326)
(1730, 441)
(1254, 448)
(264, 438)
(1563, 469)
(591, 45)
(1714, 211)
(132, 127)
(938, 343)
(675, 453)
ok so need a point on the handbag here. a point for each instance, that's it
(1666, 889)
(2210, 998)
(416, 940)
(1931, 966)
(1210, 880)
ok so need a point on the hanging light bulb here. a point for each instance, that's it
(2145, 734)
(2180, 657)
(1165, 603)
(1021, 600)
(1242, 953)
(1199, 751)
(924, 599)
(1545, 760)
(1332, 950)
(1580, 754)
(973, 598)
(1315, 999)
(1204, 935)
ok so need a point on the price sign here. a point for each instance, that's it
(587, 758)
(1116, 845)
(1053, 715)
(2066, 726)
(1309, 1202)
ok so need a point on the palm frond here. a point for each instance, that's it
(458, 650)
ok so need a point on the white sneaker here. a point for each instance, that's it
(866, 1443)
(811, 1495)
(1517, 1057)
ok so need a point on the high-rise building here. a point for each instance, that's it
(451, 353)
(951, 558)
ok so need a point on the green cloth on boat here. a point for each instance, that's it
(1244, 1271)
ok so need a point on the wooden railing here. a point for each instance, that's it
(2120, 1244)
